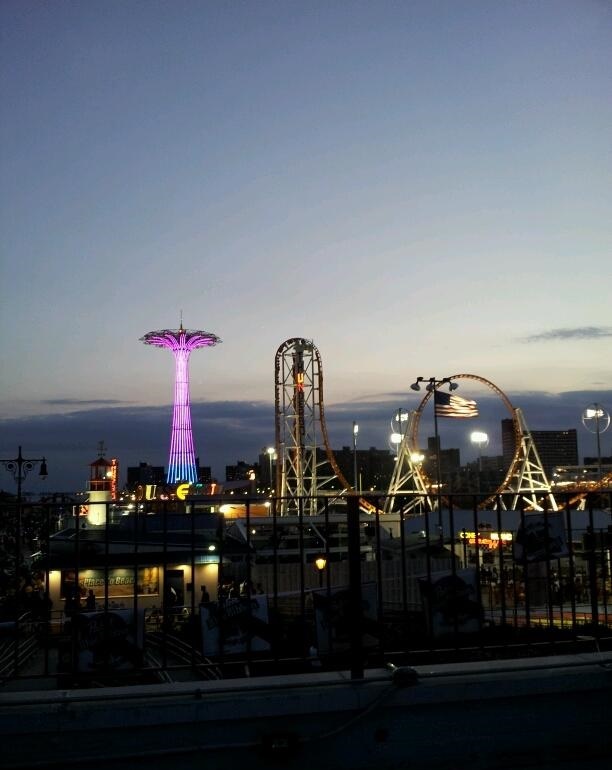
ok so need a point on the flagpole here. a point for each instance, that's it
(432, 387)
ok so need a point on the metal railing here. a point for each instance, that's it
(442, 585)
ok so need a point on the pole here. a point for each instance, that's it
(438, 469)
(355, 601)
(19, 479)
(597, 410)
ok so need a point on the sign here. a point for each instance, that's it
(451, 602)
(182, 491)
(332, 622)
(106, 641)
(120, 583)
(540, 538)
(487, 539)
(235, 625)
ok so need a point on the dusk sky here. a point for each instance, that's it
(420, 187)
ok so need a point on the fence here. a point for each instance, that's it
(178, 590)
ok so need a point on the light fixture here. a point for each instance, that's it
(320, 563)
(478, 437)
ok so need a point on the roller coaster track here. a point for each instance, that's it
(299, 411)
(580, 491)
(516, 424)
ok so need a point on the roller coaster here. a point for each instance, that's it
(302, 477)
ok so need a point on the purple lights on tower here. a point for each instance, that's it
(181, 463)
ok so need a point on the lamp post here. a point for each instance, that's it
(355, 432)
(20, 467)
(432, 385)
(596, 420)
(271, 452)
(481, 439)
(320, 563)
(398, 432)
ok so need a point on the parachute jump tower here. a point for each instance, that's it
(181, 462)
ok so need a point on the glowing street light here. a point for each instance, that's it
(481, 440)
(271, 452)
(596, 420)
(320, 563)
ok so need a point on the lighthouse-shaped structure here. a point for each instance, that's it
(103, 481)
(181, 462)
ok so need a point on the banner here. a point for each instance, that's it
(540, 538)
(241, 624)
(451, 602)
(104, 641)
(332, 618)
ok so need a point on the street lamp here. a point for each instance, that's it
(320, 563)
(271, 451)
(20, 467)
(355, 432)
(432, 384)
(398, 431)
(596, 420)
(481, 439)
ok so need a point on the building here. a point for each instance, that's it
(145, 474)
(241, 471)
(374, 467)
(555, 447)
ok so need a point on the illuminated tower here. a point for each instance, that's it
(181, 463)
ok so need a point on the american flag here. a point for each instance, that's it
(448, 405)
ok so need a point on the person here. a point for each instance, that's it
(205, 598)
(90, 602)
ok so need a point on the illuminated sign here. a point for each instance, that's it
(488, 539)
(114, 477)
(182, 491)
(120, 582)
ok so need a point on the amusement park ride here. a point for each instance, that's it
(301, 430)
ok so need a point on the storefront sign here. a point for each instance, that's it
(120, 582)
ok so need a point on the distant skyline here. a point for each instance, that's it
(422, 188)
(226, 432)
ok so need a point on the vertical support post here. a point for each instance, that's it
(355, 595)
(592, 566)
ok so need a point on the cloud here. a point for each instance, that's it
(578, 333)
(228, 431)
(82, 402)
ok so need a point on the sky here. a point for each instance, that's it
(423, 188)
